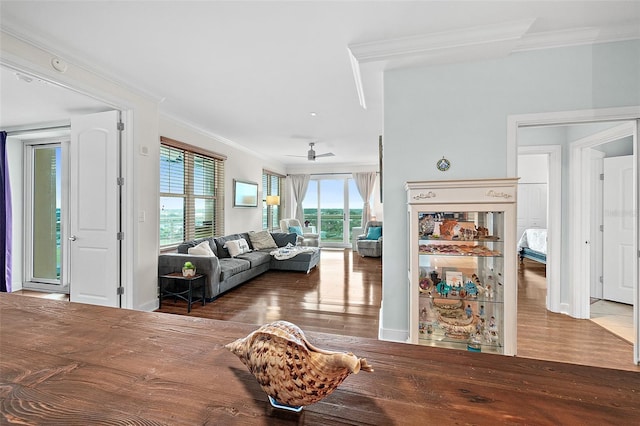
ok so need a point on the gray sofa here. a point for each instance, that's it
(225, 272)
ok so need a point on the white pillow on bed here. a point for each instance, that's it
(202, 249)
(237, 247)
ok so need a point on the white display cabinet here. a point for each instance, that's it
(462, 264)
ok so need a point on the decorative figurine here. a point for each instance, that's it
(434, 277)
(290, 370)
(471, 289)
(468, 311)
(443, 288)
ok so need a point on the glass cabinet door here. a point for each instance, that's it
(460, 279)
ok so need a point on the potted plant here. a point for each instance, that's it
(188, 269)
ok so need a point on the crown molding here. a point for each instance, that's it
(475, 43)
(31, 38)
(577, 37)
(431, 43)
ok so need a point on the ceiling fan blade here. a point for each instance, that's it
(328, 154)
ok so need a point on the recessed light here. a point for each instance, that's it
(313, 114)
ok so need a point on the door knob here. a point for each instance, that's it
(72, 238)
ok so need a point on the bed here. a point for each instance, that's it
(533, 245)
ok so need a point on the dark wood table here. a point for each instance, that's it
(74, 364)
(183, 288)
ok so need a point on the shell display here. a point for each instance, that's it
(290, 369)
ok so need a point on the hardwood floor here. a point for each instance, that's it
(343, 295)
(557, 337)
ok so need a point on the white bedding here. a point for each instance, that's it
(534, 239)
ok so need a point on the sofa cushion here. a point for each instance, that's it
(221, 241)
(236, 247)
(283, 238)
(232, 266)
(262, 240)
(184, 247)
(256, 258)
(202, 249)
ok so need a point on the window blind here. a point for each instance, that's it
(191, 193)
(272, 184)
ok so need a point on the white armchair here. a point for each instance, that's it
(304, 238)
(370, 244)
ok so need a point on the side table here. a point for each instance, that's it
(178, 290)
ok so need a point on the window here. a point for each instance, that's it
(272, 184)
(334, 206)
(191, 193)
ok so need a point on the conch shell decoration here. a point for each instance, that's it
(290, 370)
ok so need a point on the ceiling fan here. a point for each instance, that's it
(311, 154)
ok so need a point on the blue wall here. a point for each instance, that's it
(460, 111)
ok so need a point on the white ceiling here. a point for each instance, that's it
(252, 72)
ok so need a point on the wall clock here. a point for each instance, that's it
(443, 164)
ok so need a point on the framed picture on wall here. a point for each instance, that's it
(245, 194)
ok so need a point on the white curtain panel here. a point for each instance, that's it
(365, 182)
(299, 183)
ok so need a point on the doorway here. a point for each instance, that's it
(47, 223)
(574, 292)
(333, 206)
(45, 209)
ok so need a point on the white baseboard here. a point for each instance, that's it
(401, 336)
(149, 306)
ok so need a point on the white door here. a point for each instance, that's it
(94, 209)
(618, 230)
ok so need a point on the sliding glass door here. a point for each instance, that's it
(333, 208)
(44, 216)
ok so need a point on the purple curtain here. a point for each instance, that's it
(5, 216)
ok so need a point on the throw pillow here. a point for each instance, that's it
(282, 238)
(296, 229)
(262, 240)
(243, 245)
(202, 249)
(374, 233)
(237, 247)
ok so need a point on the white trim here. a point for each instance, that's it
(580, 212)
(127, 266)
(434, 43)
(357, 76)
(581, 116)
(636, 290)
(554, 219)
(559, 118)
(400, 336)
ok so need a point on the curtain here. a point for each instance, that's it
(299, 183)
(365, 182)
(5, 216)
